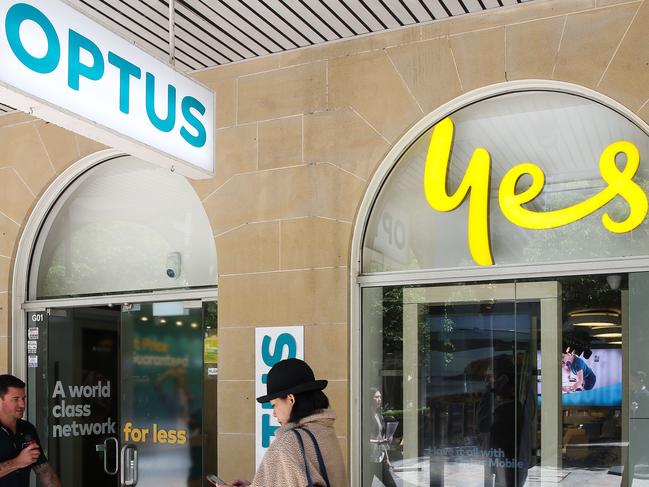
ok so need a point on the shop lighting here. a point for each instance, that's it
(615, 343)
(162, 321)
(594, 318)
(194, 325)
(179, 323)
(145, 318)
(608, 335)
(596, 325)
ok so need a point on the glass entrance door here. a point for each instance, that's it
(117, 393)
(161, 384)
(454, 397)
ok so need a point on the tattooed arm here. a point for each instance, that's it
(46, 475)
(7, 467)
(26, 457)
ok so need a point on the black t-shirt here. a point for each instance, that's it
(10, 447)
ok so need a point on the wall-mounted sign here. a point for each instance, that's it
(272, 344)
(61, 66)
(475, 187)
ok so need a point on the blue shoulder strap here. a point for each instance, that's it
(323, 469)
(306, 464)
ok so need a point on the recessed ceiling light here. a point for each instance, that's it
(608, 335)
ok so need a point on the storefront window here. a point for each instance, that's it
(121, 227)
(509, 380)
(507, 383)
(564, 135)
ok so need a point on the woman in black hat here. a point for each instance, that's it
(306, 451)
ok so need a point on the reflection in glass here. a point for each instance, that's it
(501, 384)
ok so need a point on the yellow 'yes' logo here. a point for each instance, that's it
(476, 181)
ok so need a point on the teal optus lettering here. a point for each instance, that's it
(267, 430)
(283, 341)
(189, 103)
(16, 15)
(126, 71)
(76, 68)
(162, 124)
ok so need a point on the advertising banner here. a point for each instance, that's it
(272, 344)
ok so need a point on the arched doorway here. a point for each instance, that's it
(115, 291)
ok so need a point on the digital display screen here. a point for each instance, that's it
(592, 381)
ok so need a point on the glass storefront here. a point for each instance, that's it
(507, 383)
(121, 389)
(509, 380)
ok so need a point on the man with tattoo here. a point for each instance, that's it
(20, 449)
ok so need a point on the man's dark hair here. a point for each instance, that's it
(308, 403)
(7, 381)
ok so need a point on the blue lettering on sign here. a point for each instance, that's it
(76, 68)
(162, 124)
(189, 125)
(283, 341)
(271, 355)
(189, 103)
(126, 70)
(267, 430)
(15, 17)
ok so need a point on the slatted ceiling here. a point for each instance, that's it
(347, 16)
(221, 24)
(193, 40)
(129, 23)
(272, 32)
(303, 20)
(231, 20)
(384, 15)
(193, 29)
(439, 10)
(333, 23)
(208, 36)
(281, 22)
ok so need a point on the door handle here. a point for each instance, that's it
(104, 448)
(129, 465)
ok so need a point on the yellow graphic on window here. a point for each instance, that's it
(475, 186)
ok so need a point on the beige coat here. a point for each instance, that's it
(283, 464)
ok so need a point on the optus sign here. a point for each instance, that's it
(475, 187)
(63, 67)
(272, 344)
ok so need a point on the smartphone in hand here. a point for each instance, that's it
(216, 480)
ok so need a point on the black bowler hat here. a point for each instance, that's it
(290, 376)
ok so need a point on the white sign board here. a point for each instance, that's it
(272, 344)
(63, 67)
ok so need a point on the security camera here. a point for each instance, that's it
(173, 265)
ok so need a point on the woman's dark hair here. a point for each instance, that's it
(308, 403)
